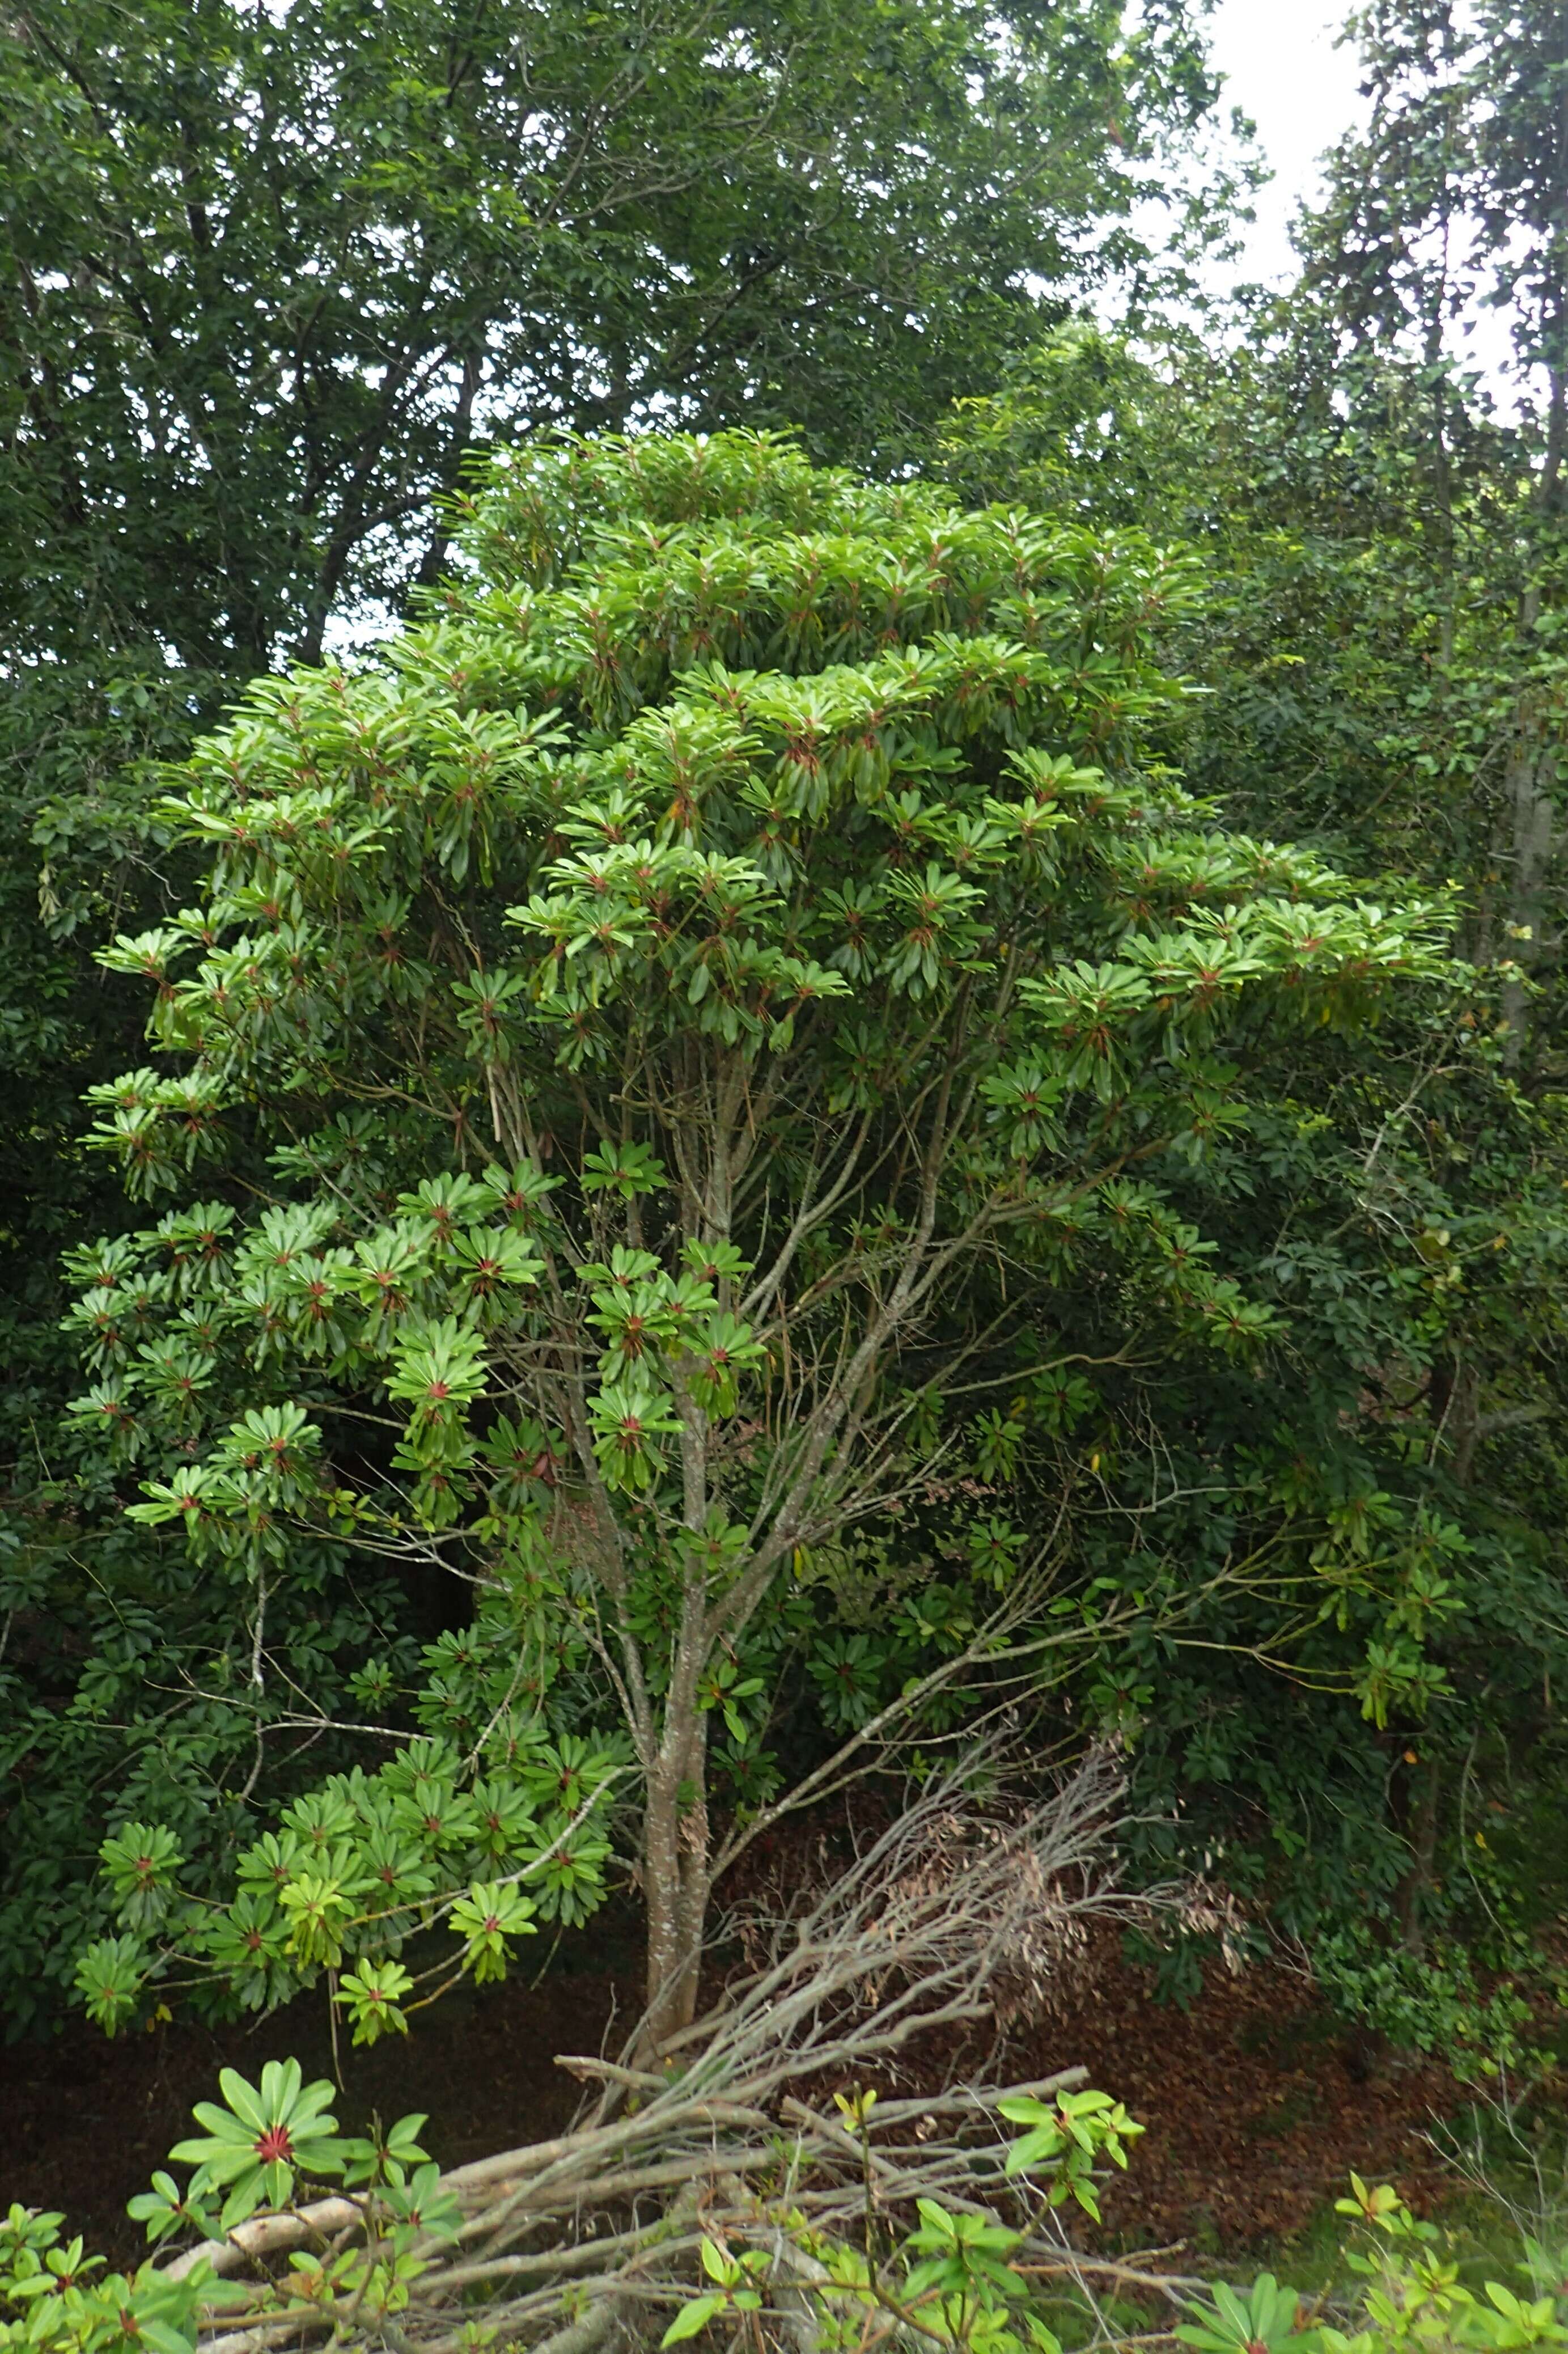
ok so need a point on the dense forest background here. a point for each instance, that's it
(1280, 1438)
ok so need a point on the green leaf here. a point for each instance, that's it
(693, 2317)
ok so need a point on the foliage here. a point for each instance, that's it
(834, 218)
(747, 2207)
(1264, 2316)
(1378, 611)
(1414, 2297)
(52, 2290)
(643, 1007)
(253, 2148)
(1065, 2140)
(266, 278)
(361, 1865)
(950, 2277)
(957, 2277)
(1231, 1431)
(269, 2146)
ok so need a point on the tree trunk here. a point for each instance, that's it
(1530, 820)
(1454, 1407)
(1529, 814)
(1417, 1881)
(675, 1857)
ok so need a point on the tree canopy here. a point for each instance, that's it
(855, 1002)
(267, 274)
(654, 1000)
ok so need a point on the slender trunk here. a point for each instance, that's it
(1455, 1414)
(662, 1890)
(676, 1853)
(1422, 1832)
(462, 441)
(1438, 298)
(1529, 815)
(1454, 1410)
(675, 1838)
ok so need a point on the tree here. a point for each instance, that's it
(630, 1024)
(1369, 537)
(1456, 199)
(267, 275)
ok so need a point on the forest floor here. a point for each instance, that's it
(1256, 2104)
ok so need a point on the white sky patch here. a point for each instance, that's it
(1282, 67)
(1286, 67)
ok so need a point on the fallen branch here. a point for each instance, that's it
(594, 2235)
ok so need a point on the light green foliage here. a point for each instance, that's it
(272, 2148)
(1411, 2296)
(1066, 2139)
(1256, 2322)
(734, 2291)
(952, 2278)
(363, 1864)
(642, 1000)
(55, 2300)
(253, 2147)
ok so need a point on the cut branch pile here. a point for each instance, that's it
(594, 2235)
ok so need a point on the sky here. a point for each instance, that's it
(1282, 68)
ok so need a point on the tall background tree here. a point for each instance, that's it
(1380, 643)
(267, 273)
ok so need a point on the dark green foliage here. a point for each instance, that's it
(265, 276)
(1378, 647)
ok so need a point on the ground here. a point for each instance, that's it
(1257, 2106)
